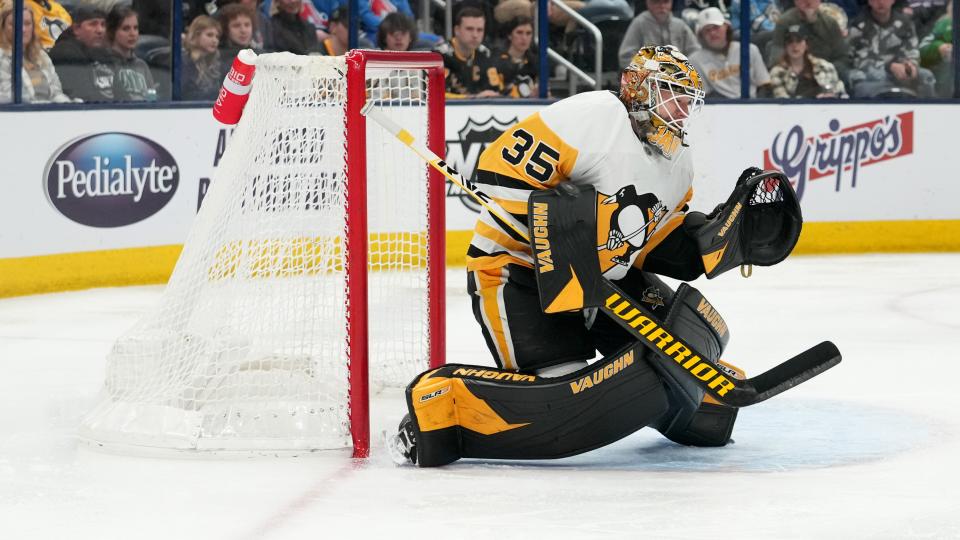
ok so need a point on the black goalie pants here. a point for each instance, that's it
(522, 337)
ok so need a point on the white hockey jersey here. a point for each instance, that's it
(586, 139)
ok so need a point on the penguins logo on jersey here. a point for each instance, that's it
(625, 221)
(54, 27)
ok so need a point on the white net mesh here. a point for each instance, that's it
(248, 347)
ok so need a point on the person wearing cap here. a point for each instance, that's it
(825, 38)
(719, 60)
(656, 25)
(886, 54)
(83, 62)
(799, 74)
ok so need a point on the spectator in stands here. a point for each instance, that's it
(825, 39)
(290, 32)
(385, 8)
(51, 20)
(382, 8)
(260, 39)
(238, 25)
(798, 74)
(202, 71)
(338, 33)
(886, 54)
(507, 10)
(763, 20)
(467, 63)
(657, 25)
(320, 12)
(132, 79)
(397, 32)
(936, 53)
(84, 64)
(925, 14)
(516, 64)
(338, 41)
(719, 60)
(40, 82)
(155, 15)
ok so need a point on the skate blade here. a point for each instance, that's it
(395, 448)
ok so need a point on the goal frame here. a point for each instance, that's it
(358, 61)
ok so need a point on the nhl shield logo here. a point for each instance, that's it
(464, 153)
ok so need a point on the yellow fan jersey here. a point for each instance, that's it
(586, 139)
(50, 19)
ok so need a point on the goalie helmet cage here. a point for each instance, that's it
(285, 299)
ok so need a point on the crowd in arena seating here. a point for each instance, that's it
(120, 50)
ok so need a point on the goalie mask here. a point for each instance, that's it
(661, 90)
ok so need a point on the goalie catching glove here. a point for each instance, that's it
(759, 224)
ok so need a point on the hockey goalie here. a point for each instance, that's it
(586, 205)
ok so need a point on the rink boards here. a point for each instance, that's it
(870, 177)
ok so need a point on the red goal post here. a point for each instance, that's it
(358, 62)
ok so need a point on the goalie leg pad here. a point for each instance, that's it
(694, 418)
(462, 411)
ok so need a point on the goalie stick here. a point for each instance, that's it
(730, 391)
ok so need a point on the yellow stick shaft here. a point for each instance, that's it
(446, 170)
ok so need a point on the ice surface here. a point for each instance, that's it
(869, 449)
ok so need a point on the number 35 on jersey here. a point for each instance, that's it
(531, 152)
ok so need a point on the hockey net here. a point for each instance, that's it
(316, 261)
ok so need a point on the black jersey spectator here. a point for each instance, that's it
(516, 63)
(84, 64)
(40, 82)
(466, 61)
(886, 54)
(290, 32)
(202, 68)
(132, 78)
(397, 32)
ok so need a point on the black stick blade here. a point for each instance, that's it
(794, 371)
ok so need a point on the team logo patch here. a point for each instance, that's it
(625, 222)
(651, 295)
